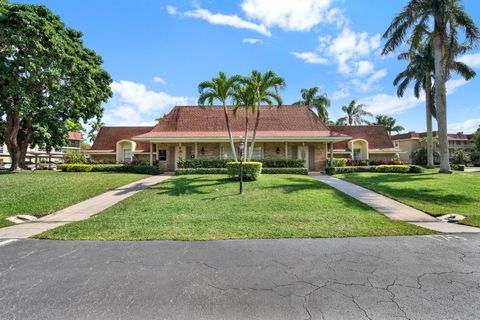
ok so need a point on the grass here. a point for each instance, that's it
(208, 207)
(434, 193)
(43, 192)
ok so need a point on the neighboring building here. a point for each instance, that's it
(188, 132)
(408, 142)
(74, 141)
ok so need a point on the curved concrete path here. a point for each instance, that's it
(80, 211)
(394, 209)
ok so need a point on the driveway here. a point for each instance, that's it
(428, 277)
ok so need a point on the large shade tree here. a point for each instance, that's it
(266, 89)
(442, 21)
(220, 89)
(355, 114)
(389, 123)
(315, 101)
(47, 77)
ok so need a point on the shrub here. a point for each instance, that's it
(340, 162)
(153, 170)
(415, 169)
(136, 162)
(475, 158)
(200, 163)
(458, 167)
(282, 163)
(387, 162)
(180, 172)
(77, 167)
(251, 170)
(108, 167)
(330, 171)
(461, 157)
(284, 171)
(393, 168)
(72, 156)
(354, 163)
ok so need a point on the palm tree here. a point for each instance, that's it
(313, 100)
(243, 97)
(448, 17)
(341, 121)
(95, 126)
(355, 113)
(389, 123)
(266, 89)
(220, 89)
(421, 70)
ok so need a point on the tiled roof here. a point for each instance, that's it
(377, 137)
(108, 137)
(75, 135)
(193, 121)
(418, 135)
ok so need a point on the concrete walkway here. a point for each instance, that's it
(394, 209)
(79, 211)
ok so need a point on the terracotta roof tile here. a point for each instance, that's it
(377, 137)
(75, 135)
(108, 137)
(417, 135)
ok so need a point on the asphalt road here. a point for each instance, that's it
(429, 277)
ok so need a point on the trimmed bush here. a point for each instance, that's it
(382, 168)
(153, 170)
(415, 169)
(199, 163)
(180, 172)
(387, 162)
(282, 163)
(461, 157)
(393, 168)
(77, 167)
(108, 167)
(251, 170)
(340, 162)
(354, 163)
(458, 167)
(284, 171)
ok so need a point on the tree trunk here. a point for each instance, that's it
(441, 100)
(11, 133)
(24, 141)
(428, 111)
(245, 150)
(229, 129)
(252, 144)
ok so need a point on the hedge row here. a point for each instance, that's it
(110, 168)
(217, 163)
(345, 162)
(382, 168)
(184, 171)
(251, 170)
(284, 171)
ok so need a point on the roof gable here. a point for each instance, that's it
(108, 137)
(376, 135)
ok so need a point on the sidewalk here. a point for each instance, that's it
(394, 209)
(79, 211)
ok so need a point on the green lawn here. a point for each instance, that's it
(42, 192)
(209, 207)
(431, 192)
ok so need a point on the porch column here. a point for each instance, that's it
(151, 154)
(331, 154)
(196, 150)
(286, 150)
(156, 151)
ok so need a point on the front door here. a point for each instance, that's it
(311, 158)
(171, 159)
(127, 155)
(303, 154)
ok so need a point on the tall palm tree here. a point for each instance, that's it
(389, 123)
(266, 89)
(355, 113)
(219, 89)
(421, 70)
(441, 20)
(95, 126)
(313, 100)
(243, 98)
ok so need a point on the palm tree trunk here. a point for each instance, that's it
(441, 100)
(428, 112)
(246, 136)
(252, 144)
(227, 120)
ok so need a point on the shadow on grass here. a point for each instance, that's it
(189, 185)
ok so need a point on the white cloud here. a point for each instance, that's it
(468, 126)
(473, 60)
(309, 57)
(252, 40)
(364, 68)
(143, 100)
(171, 10)
(365, 85)
(388, 104)
(298, 15)
(159, 80)
(454, 84)
(227, 20)
(342, 93)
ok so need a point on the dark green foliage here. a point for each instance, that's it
(458, 167)
(73, 156)
(475, 157)
(416, 169)
(393, 168)
(145, 169)
(180, 172)
(198, 163)
(340, 162)
(282, 163)
(77, 167)
(382, 168)
(251, 170)
(419, 156)
(284, 171)
(461, 157)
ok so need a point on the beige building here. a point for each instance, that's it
(286, 132)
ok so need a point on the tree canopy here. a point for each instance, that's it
(47, 77)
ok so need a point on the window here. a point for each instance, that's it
(73, 144)
(257, 153)
(226, 153)
(162, 155)
(127, 155)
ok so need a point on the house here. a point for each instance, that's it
(74, 141)
(287, 132)
(409, 142)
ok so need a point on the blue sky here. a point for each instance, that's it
(158, 51)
